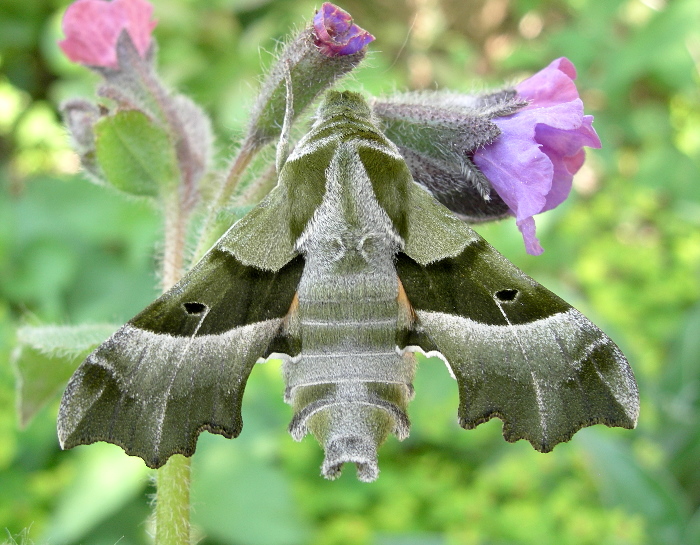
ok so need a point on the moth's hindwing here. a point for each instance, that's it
(518, 352)
(181, 365)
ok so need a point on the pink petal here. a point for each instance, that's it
(92, 28)
(532, 163)
(565, 151)
(138, 14)
(573, 163)
(527, 228)
(561, 142)
(565, 116)
(551, 85)
(519, 171)
(562, 179)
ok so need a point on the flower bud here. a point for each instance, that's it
(80, 117)
(92, 28)
(114, 39)
(316, 58)
(336, 35)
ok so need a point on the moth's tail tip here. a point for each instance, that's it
(351, 449)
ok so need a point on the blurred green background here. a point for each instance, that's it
(624, 249)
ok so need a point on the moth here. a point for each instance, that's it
(345, 270)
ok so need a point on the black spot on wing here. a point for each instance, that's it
(194, 308)
(506, 295)
(219, 294)
(473, 284)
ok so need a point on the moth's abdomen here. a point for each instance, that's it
(350, 420)
(349, 386)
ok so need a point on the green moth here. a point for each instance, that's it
(344, 270)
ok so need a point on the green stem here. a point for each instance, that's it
(173, 479)
(173, 502)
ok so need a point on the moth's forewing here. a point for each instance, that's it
(181, 365)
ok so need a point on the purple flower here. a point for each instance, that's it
(335, 33)
(540, 148)
(92, 28)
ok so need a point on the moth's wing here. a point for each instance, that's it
(181, 365)
(518, 352)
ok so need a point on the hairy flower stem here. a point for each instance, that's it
(245, 155)
(172, 512)
(174, 243)
(173, 502)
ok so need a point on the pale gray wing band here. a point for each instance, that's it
(545, 379)
(152, 394)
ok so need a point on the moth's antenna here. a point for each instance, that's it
(283, 146)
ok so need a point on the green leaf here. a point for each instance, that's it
(135, 154)
(104, 481)
(45, 359)
(231, 509)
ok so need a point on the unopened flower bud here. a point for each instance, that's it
(316, 58)
(92, 28)
(336, 35)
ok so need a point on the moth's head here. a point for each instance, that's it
(344, 103)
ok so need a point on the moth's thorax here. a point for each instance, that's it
(349, 219)
(345, 175)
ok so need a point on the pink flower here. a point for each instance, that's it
(336, 34)
(92, 28)
(532, 163)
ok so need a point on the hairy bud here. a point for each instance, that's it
(315, 59)
(80, 117)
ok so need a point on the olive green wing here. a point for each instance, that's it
(181, 365)
(518, 352)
